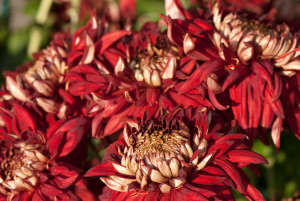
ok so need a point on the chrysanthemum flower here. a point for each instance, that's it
(31, 159)
(126, 73)
(174, 156)
(254, 57)
(40, 82)
(252, 38)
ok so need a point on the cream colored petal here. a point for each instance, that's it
(264, 42)
(165, 188)
(114, 185)
(293, 65)
(164, 168)
(155, 79)
(184, 152)
(157, 177)
(147, 75)
(270, 47)
(170, 69)
(195, 160)
(122, 180)
(123, 170)
(284, 59)
(189, 149)
(144, 183)
(33, 180)
(138, 75)
(174, 166)
(177, 182)
(49, 105)
(40, 166)
(15, 89)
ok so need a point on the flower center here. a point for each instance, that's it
(158, 140)
(150, 62)
(256, 27)
(21, 164)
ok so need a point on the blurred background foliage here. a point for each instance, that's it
(27, 26)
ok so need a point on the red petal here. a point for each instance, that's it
(84, 194)
(54, 143)
(207, 191)
(207, 179)
(50, 190)
(72, 139)
(278, 87)
(108, 39)
(276, 106)
(185, 193)
(25, 119)
(215, 102)
(152, 95)
(165, 103)
(97, 125)
(36, 196)
(183, 100)
(237, 73)
(260, 70)
(54, 127)
(76, 122)
(246, 156)
(231, 171)
(56, 170)
(254, 193)
(65, 182)
(152, 196)
(103, 169)
(254, 108)
(267, 116)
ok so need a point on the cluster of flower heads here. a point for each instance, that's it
(187, 96)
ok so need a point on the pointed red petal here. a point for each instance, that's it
(254, 193)
(103, 169)
(246, 156)
(108, 39)
(24, 118)
(50, 190)
(207, 179)
(231, 171)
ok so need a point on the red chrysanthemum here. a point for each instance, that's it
(32, 159)
(174, 156)
(254, 57)
(126, 73)
(39, 83)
